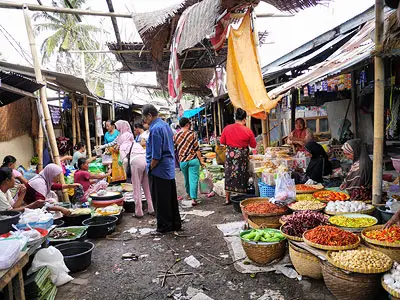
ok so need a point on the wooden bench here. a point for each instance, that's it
(13, 279)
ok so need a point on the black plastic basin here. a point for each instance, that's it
(75, 220)
(100, 227)
(77, 255)
(12, 219)
(58, 222)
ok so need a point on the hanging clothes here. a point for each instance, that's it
(244, 80)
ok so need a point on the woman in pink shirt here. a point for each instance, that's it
(84, 177)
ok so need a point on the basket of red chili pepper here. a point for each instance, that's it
(331, 238)
(260, 213)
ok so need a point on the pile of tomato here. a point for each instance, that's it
(331, 196)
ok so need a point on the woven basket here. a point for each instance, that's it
(257, 223)
(392, 252)
(376, 242)
(291, 237)
(353, 286)
(327, 200)
(392, 292)
(331, 248)
(363, 271)
(264, 253)
(257, 218)
(305, 263)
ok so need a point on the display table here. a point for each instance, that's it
(13, 279)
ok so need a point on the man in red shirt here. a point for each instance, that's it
(237, 138)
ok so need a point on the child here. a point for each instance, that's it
(84, 177)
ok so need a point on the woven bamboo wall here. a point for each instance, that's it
(18, 118)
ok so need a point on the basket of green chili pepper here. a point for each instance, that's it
(263, 245)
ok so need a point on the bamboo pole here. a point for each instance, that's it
(205, 114)
(40, 146)
(264, 130)
(73, 111)
(61, 115)
(78, 124)
(379, 100)
(268, 130)
(43, 96)
(86, 114)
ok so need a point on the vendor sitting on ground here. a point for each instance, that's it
(318, 167)
(84, 177)
(358, 182)
(40, 186)
(79, 153)
(9, 162)
(7, 182)
(300, 136)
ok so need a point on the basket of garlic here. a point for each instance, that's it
(391, 281)
(345, 207)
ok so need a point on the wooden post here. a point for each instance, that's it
(219, 118)
(268, 130)
(43, 96)
(73, 111)
(95, 126)
(354, 100)
(61, 115)
(214, 119)
(264, 132)
(293, 109)
(40, 145)
(379, 100)
(88, 146)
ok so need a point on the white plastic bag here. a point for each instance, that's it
(285, 188)
(52, 258)
(9, 252)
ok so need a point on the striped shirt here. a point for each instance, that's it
(186, 144)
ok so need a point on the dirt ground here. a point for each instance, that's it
(111, 277)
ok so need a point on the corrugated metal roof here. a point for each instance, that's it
(357, 49)
(17, 81)
(286, 67)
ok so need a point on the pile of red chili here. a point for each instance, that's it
(390, 235)
(330, 236)
(304, 188)
(264, 208)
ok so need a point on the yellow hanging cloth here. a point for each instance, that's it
(244, 80)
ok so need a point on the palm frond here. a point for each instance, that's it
(38, 28)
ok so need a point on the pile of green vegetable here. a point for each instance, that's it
(263, 235)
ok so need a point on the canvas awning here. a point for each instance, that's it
(192, 112)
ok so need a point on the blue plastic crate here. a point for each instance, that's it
(266, 191)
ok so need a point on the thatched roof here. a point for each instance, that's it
(157, 28)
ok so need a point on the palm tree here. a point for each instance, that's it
(68, 33)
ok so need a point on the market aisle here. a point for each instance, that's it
(110, 277)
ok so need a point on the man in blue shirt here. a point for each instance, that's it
(160, 157)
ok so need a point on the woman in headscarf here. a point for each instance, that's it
(40, 186)
(358, 182)
(300, 136)
(318, 167)
(123, 144)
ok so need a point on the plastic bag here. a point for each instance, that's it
(52, 258)
(285, 188)
(205, 184)
(9, 252)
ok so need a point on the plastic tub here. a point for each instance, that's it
(77, 255)
(75, 220)
(129, 206)
(385, 215)
(6, 224)
(100, 227)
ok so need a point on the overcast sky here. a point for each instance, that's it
(285, 34)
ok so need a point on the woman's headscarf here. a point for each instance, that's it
(125, 138)
(42, 182)
(319, 164)
(360, 174)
